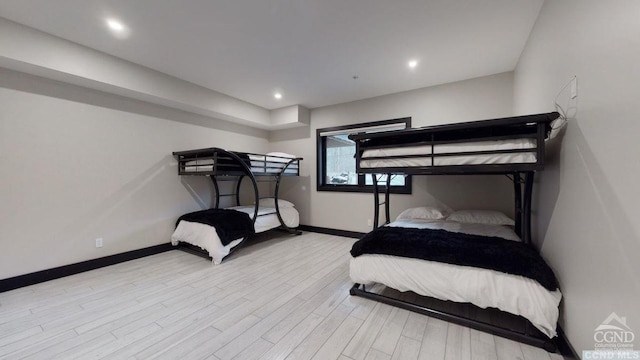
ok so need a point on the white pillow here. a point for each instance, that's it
(423, 213)
(281, 154)
(270, 202)
(489, 217)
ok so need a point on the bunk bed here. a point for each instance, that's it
(218, 232)
(489, 265)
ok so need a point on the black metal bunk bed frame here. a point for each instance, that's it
(222, 165)
(522, 175)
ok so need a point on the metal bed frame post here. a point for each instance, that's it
(526, 218)
(217, 190)
(387, 191)
(517, 197)
(376, 200)
(213, 178)
(522, 204)
(275, 196)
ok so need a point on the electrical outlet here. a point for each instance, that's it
(369, 222)
(574, 87)
(99, 242)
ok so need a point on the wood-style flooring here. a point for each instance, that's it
(283, 298)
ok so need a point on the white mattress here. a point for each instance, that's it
(267, 218)
(206, 237)
(506, 158)
(482, 287)
(255, 170)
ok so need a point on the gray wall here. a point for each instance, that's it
(77, 164)
(587, 201)
(469, 100)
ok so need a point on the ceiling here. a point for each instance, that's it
(308, 50)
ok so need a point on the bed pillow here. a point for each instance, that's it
(423, 213)
(270, 202)
(489, 217)
(281, 154)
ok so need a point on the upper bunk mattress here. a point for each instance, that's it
(271, 168)
(215, 161)
(427, 155)
(257, 165)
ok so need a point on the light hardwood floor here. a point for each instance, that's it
(285, 298)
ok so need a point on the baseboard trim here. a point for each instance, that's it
(322, 230)
(565, 348)
(72, 269)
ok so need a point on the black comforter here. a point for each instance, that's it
(492, 253)
(229, 224)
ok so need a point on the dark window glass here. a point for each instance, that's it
(337, 163)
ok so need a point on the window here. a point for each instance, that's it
(337, 163)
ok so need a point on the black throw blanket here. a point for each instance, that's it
(485, 252)
(229, 224)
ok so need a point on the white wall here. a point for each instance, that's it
(77, 164)
(587, 202)
(476, 99)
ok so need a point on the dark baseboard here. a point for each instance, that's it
(66, 270)
(564, 346)
(321, 230)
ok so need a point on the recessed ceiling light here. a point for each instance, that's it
(277, 96)
(115, 25)
(412, 64)
(117, 28)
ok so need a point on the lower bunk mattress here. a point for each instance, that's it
(207, 238)
(485, 288)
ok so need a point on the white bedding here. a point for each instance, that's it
(505, 158)
(482, 287)
(206, 237)
(267, 218)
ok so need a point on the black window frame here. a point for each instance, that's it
(360, 187)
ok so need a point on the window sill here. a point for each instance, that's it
(362, 189)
